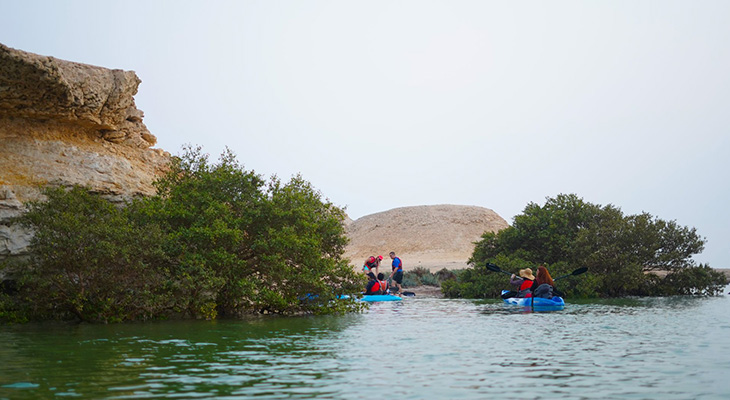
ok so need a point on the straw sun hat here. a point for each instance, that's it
(527, 273)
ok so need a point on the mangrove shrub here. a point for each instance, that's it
(625, 254)
(216, 240)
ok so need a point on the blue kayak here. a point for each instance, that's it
(380, 297)
(536, 303)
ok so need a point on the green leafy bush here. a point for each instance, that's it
(621, 252)
(445, 274)
(419, 271)
(411, 280)
(91, 261)
(216, 240)
(430, 280)
(420, 276)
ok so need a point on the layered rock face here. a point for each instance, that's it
(432, 237)
(64, 123)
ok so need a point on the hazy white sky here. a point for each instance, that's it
(384, 104)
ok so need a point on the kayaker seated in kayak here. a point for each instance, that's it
(544, 285)
(373, 286)
(523, 283)
(383, 284)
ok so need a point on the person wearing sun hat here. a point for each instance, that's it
(523, 283)
(527, 274)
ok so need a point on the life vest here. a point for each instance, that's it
(397, 266)
(371, 263)
(526, 284)
(383, 286)
(374, 288)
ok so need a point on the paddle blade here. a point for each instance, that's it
(576, 272)
(493, 267)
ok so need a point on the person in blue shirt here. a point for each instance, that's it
(397, 273)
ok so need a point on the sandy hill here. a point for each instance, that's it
(428, 236)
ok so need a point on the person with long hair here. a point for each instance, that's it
(544, 284)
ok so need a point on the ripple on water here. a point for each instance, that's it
(417, 348)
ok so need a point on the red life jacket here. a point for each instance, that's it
(371, 263)
(526, 284)
(374, 289)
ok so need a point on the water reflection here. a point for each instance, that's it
(145, 360)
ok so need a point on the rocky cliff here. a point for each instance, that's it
(64, 123)
(433, 237)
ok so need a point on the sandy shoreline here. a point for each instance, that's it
(425, 291)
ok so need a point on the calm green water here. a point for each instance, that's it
(673, 348)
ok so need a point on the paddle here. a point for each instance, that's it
(576, 272)
(495, 268)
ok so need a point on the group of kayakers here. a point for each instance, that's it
(528, 285)
(377, 284)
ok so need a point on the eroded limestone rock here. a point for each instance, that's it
(41, 87)
(62, 124)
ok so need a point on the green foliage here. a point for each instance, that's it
(300, 249)
(410, 280)
(420, 276)
(429, 280)
(248, 245)
(216, 240)
(474, 283)
(89, 260)
(206, 211)
(10, 310)
(698, 280)
(620, 251)
(445, 274)
(419, 271)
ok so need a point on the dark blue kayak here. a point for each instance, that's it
(554, 304)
